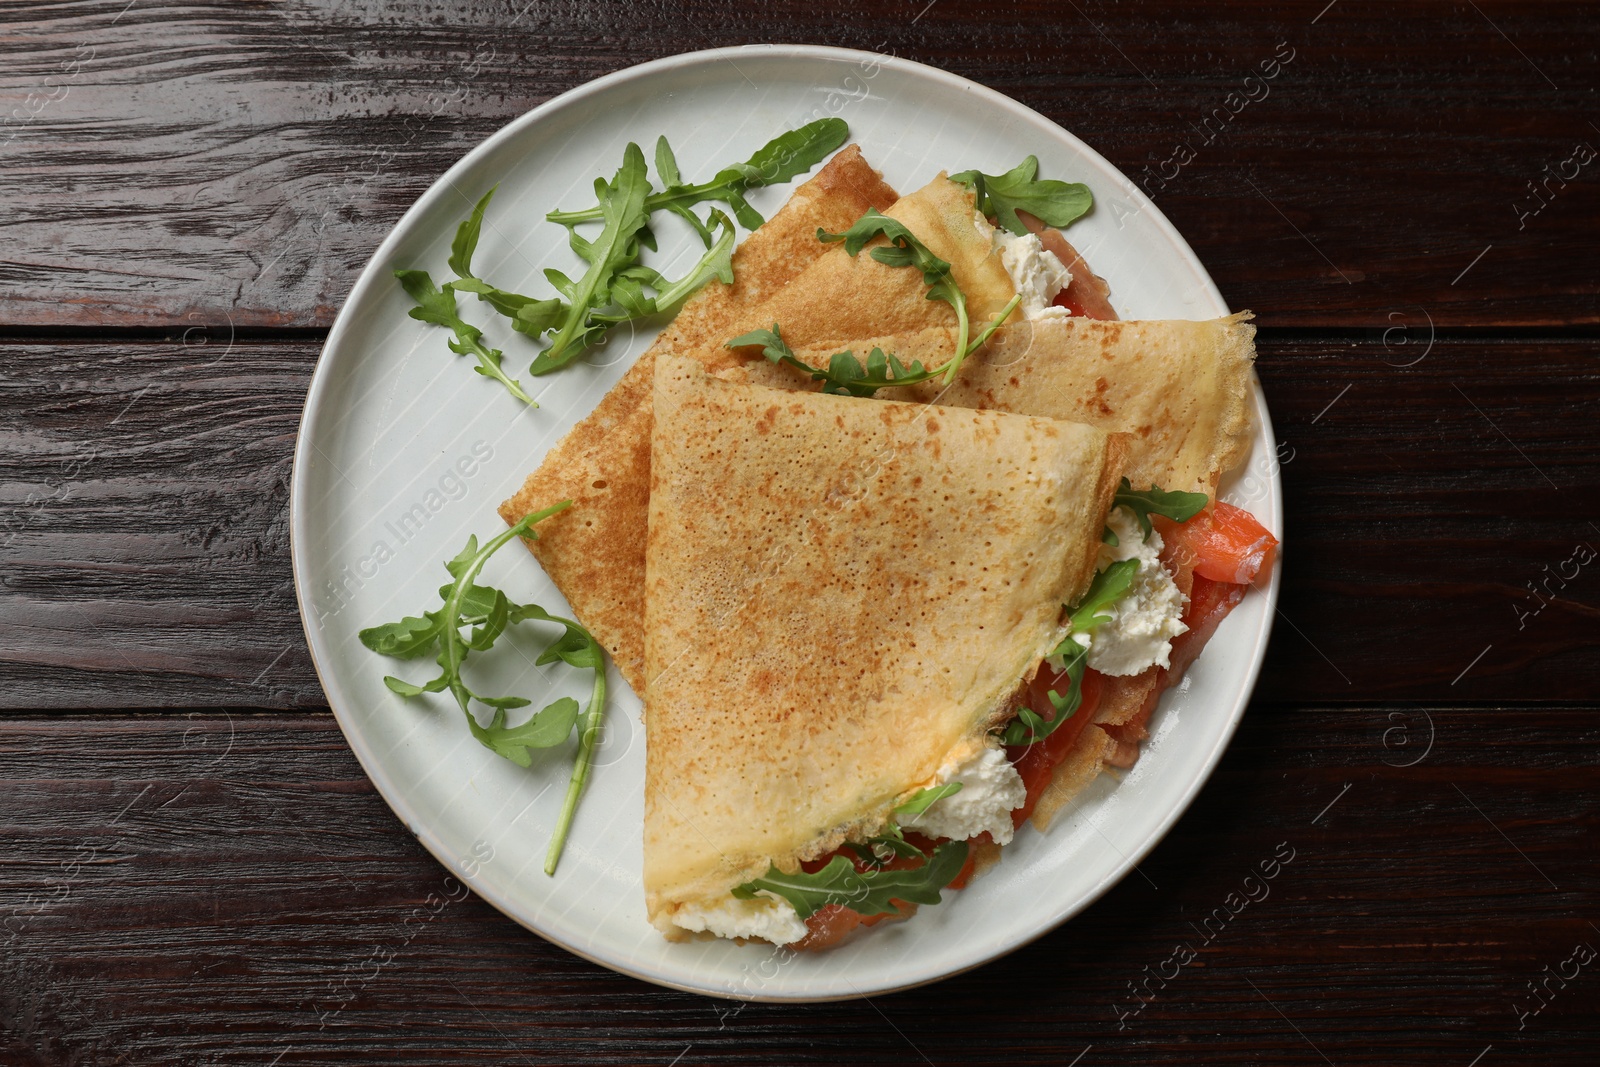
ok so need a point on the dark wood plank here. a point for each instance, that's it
(207, 888)
(145, 532)
(200, 162)
(1432, 512)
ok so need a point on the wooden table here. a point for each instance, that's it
(194, 869)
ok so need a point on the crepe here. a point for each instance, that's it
(842, 596)
(1182, 388)
(840, 297)
(594, 551)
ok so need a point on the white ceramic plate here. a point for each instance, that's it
(404, 452)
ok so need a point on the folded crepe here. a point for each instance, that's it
(838, 297)
(843, 597)
(1182, 388)
(594, 551)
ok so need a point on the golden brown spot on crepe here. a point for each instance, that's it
(933, 425)
(764, 423)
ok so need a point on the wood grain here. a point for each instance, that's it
(190, 190)
(144, 529)
(145, 546)
(202, 163)
(208, 888)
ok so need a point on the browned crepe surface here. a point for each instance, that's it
(842, 595)
(1182, 388)
(840, 297)
(594, 551)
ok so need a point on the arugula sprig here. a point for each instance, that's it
(905, 250)
(528, 315)
(1056, 203)
(845, 376)
(783, 158)
(627, 291)
(892, 843)
(1109, 586)
(923, 799)
(867, 892)
(614, 249)
(870, 892)
(612, 289)
(1176, 505)
(485, 612)
(438, 306)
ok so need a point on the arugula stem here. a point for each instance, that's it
(988, 331)
(962, 328)
(587, 738)
(450, 654)
(688, 195)
(963, 349)
(704, 270)
(489, 367)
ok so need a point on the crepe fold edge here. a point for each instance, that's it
(594, 551)
(683, 782)
(1183, 389)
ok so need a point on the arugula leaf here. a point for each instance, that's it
(406, 639)
(844, 375)
(666, 163)
(1029, 726)
(1109, 586)
(716, 263)
(438, 306)
(923, 799)
(905, 250)
(486, 612)
(791, 154)
(545, 730)
(466, 238)
(780, 160)
(1056, 203)
(528, 315)
(622, 208)
(867, 892)
(1176, 505)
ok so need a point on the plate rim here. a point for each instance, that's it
(391, 792)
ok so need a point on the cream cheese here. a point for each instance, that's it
(1037, 273)
(764, 916)
(1146, 618)
(990, 790)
